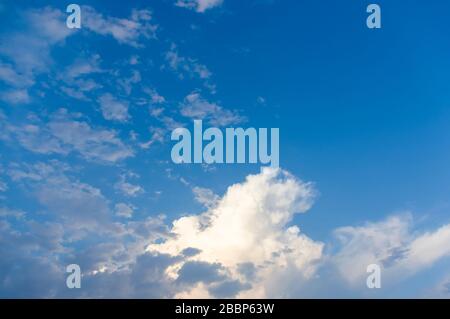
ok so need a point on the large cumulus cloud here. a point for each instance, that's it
(244, 245)
(250, 225)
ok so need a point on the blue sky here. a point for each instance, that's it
(86, 175)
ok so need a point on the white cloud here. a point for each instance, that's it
(441, 290)
(244, 245)
(6, 212)
(205, 196)
(392, 244)
(260, 100)
(11, 77)
(30, 49)
(199, 5)
(368, 244)
(428, 248)
(74, 93)
(82, 67)
(76, 201)
(65, 133)
(126, 188)
(126, 31)
(183, 65)
(155, 97)
(134, 60)
(76, 77)
(113, 109)
(186, 66)
(3, 186)
(64, 197)
(19, 96)
(250, 226)
(157, 136)
(196, 107)
(124, 210)
(91, 143)
(127, 83)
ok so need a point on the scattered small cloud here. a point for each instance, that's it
(183, 65)
(196, 107)
(127, 83)
(261, 101)
(205, 196)
(113, 109)
(199, 5)
(15, 97)
(126, 188)
(129, 31)
(157, 136)
(124, 210)
(3, 186)
(10, 76)
(65, 133)
(134, 60)
(155, 97)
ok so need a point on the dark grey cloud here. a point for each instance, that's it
(248, 270)
(145, 278)
(196, 271)
(395, 256)
(447, 288)
(29, 265)
(228, 289)
(190, 252)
